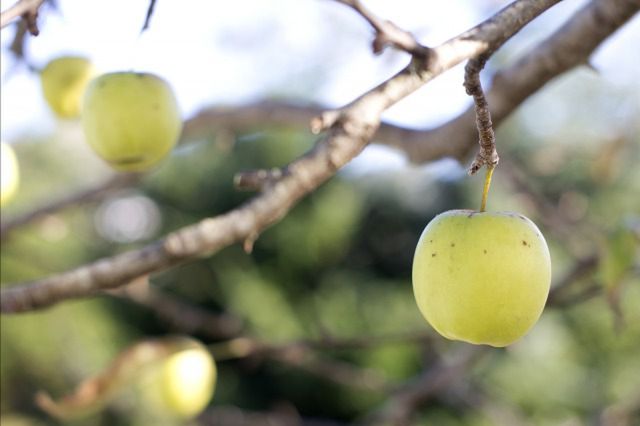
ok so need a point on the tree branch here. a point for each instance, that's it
(403, 403)
(303, 354)
(388, 33)
(344, 140)
(257, 180)
(179, 315)
(583, 268)
(568, 47)
(487, 155)
(28, 9)
(97, 192)
(147, 19)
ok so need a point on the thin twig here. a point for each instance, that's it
(487, 155)
(388, 33)
(403, 403)
(18, 47)
(28, 9)
(282, 414)
(243, 347)
(581, 269)
(147, 19)
(96, 192)
(303, 354)
(179, 315)
(589, 291)
(340, 372)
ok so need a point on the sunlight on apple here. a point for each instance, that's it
(482, 278)
(182, 385)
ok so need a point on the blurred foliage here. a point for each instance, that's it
(339, 264)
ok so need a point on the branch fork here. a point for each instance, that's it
(28, 10)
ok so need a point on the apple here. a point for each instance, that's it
(172, 379)
(481, 277)
(10, 173)
(131, 120)
(64, 81)
(181, 385)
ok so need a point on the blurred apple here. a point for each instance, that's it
(174, 378)
(64, 81)
(482, 278)
(10, 174)
(179, 386)
(131, 119)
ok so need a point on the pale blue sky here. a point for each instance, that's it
(230, 52)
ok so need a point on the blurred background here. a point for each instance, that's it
(569, 161)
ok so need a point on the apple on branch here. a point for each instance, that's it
(481, 277)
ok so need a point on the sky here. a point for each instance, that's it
(234, 52)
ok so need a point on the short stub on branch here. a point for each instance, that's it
(257, 180)
(388, 33)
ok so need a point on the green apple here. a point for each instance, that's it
(481, 277)
(131, 119)
(172, 378)
(181, 385)
(64, 81)
(10, 173)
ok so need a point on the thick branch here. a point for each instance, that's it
(256, 180)
(568, 47)
(28, 9)
(346, 138)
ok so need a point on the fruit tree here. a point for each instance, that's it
(320, 212)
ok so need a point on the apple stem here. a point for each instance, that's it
(487, 184)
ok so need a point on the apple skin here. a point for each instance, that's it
(481, 277)
(10, 173)
(64, 81)
(182, 385)
(131, 120)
